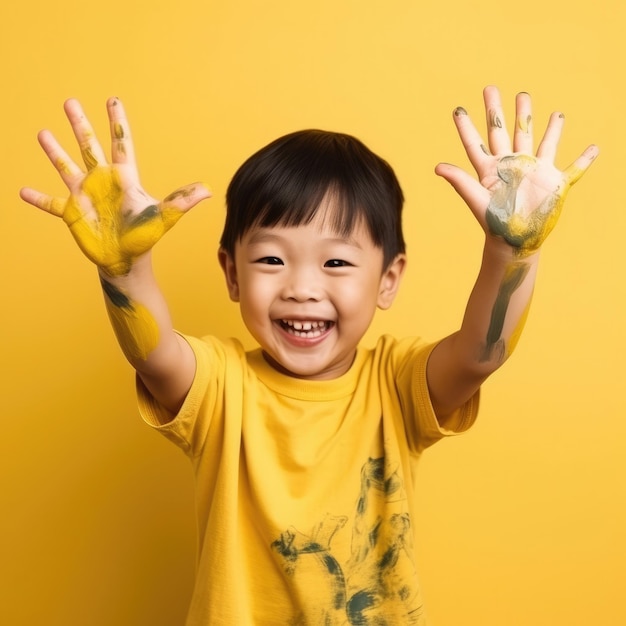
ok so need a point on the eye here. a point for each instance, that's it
(337, 263)
(270, 260)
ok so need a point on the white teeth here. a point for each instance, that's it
(308, 329)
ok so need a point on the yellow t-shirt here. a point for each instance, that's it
(304, 488)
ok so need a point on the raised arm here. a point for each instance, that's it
(517, 200)
(116, 224)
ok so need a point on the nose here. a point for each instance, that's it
(302, 284)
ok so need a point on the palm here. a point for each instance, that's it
(115, 221)
(527, 195)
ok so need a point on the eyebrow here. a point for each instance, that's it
(269, 236)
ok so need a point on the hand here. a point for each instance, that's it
(518, 197)
(112, 218)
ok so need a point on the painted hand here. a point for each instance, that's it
(111, 217)
(519, 196)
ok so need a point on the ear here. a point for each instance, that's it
(227, 262)
(390, 282)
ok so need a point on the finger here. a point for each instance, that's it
(475, 147)
(574, 172)
(499, 142)
(63, 163)
(523, 134)
(550, 141)
(122, 148)
(49, 204)
(186, 197)
(472, 192)
(90, 148)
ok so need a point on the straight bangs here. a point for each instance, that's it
(293, 178)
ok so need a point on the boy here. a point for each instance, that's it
(305, 449)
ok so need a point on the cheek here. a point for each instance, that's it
(255, 295)
(364, 290)
(358, 300)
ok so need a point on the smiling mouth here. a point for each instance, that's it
(305, 328)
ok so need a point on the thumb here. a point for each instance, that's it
(574, 172)
(185, 198)
(473, 193)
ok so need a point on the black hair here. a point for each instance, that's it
(285, 182)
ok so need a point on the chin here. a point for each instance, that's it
(297, 369)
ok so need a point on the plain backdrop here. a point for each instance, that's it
(523, 518)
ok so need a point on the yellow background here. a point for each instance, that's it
(523, 518)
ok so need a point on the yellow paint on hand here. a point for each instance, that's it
(110, 236)
(55, 206)
(523, 123)
(522, 210)
(62, 166)
(88, 157)
(118, 134)
(574, 174)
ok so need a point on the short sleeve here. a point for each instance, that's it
(189, 426)
(421, 423)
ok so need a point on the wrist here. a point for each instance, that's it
(135, 268)
(498, 250)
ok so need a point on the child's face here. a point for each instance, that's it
(307, 294)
